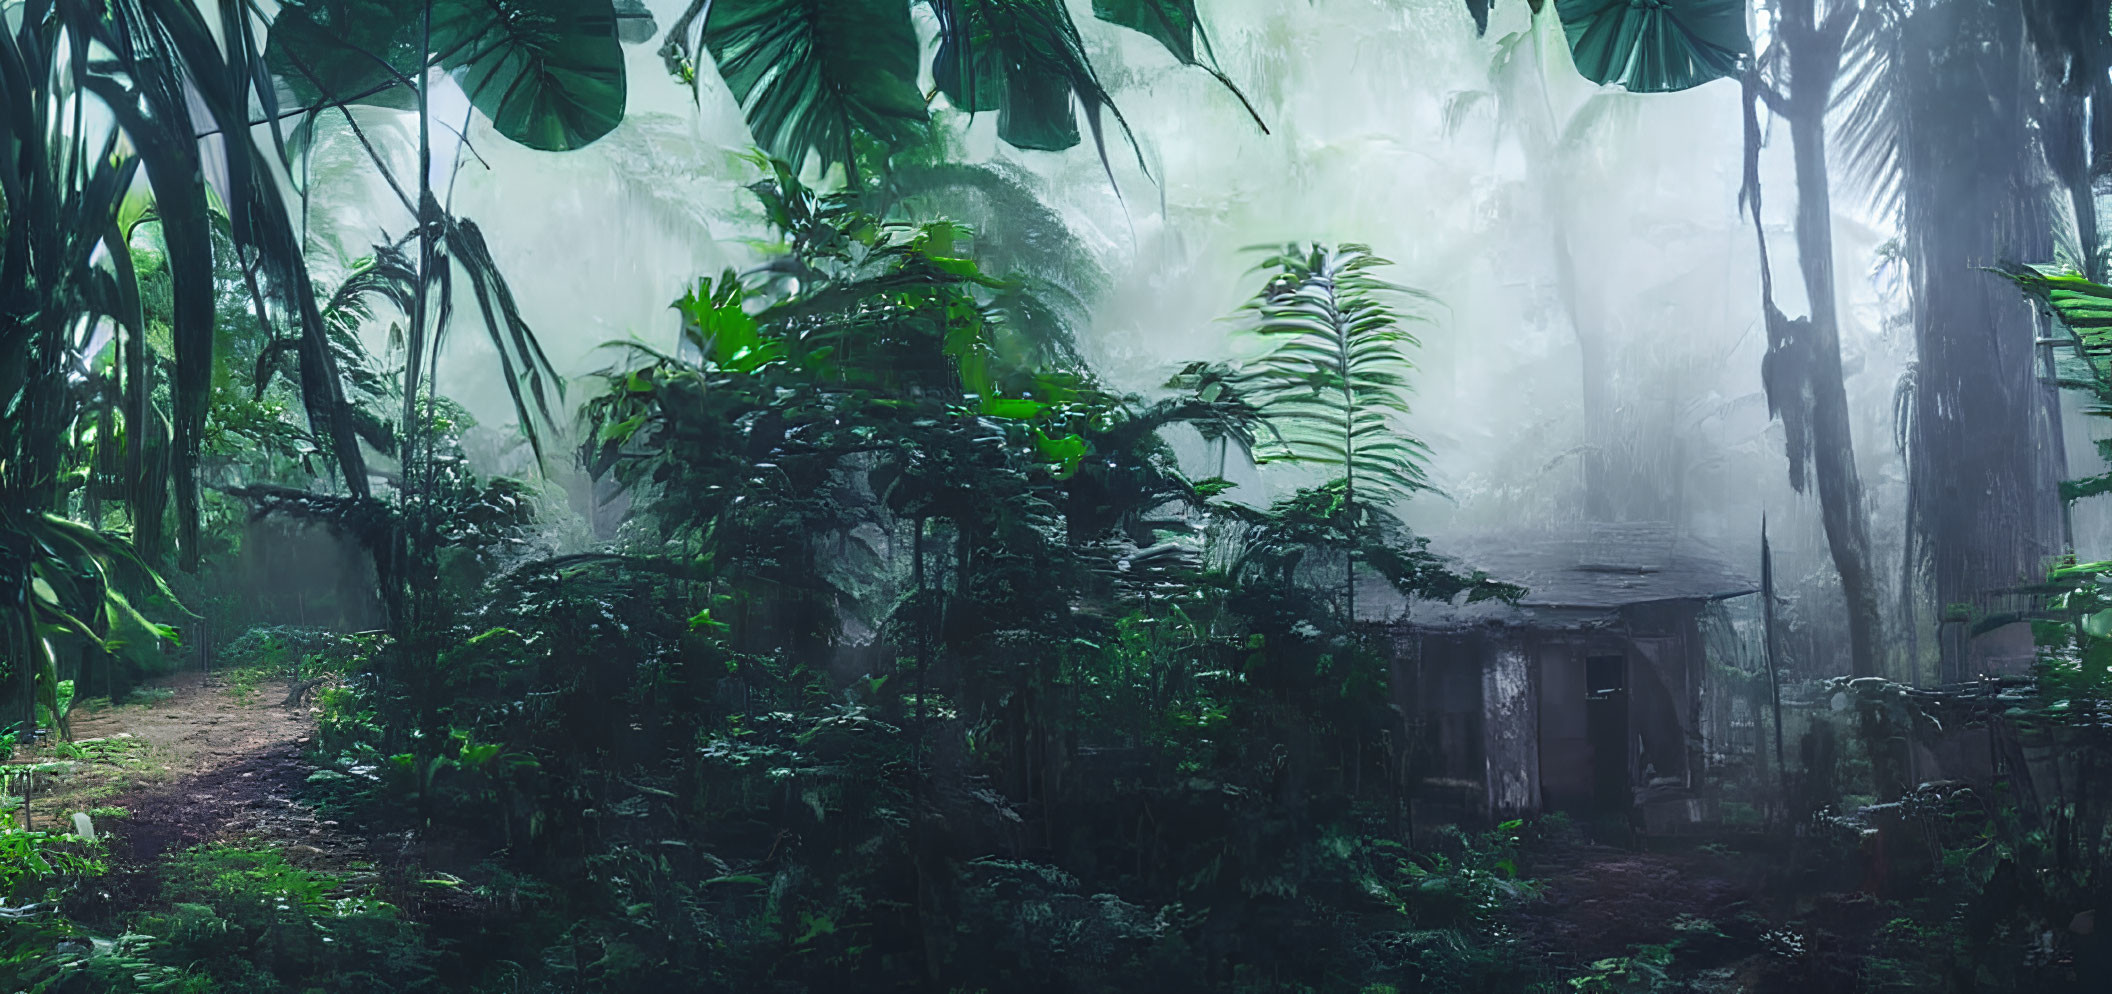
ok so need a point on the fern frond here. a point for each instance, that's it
(1337, 376)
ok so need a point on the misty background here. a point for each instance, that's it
(1594, 351)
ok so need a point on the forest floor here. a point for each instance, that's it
(1717, 906)
(198, 760)
(1598, 901)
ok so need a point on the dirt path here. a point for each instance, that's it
(203, 726)
(200, 766)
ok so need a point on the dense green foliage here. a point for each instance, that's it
(893, 648)
(230, 919)
(913, 627)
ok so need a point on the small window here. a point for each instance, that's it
(1605, 675)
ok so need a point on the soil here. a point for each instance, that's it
(205, 725)
(1599, 901)
(211, 766)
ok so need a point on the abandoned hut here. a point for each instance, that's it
(1586, 696)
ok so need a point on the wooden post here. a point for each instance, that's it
(1767, 624)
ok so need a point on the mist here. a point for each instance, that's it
(1474, 163)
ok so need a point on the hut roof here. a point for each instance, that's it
(1579, 571)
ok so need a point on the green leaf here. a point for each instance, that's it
(2099, 624)
(703, 621)
(1016, 408)
(1656, 46)
(815, 926)
(1065, 452)
(714, 319)
(1026, 60)
(122, 605)
(621, 431)
(478, 755)
(737, 878)
(809, 74)
(346, 52)
(548, 73)
(1172, 23)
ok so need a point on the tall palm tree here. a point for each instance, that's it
(1942, 123)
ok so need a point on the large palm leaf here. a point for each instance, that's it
(1025, 60)
(548, 73)
(151, 109)
(1331, 390)
(2084, 309)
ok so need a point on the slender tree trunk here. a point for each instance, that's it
(1808, 371)
(1349, 486)
(1595, 376)
(1544, 131)
(916, 568)
(1833, 445)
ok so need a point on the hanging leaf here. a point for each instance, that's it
(1026, 58)
(1021, 58)
(1173, 23)
(1656, 46)
(1176, 25)
(811, 73)
(1479, 10)
(2083, 307)
(1037, 113)
(548, 73)
(332, 52)
(967, 68)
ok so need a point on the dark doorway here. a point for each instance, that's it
(1606, 728)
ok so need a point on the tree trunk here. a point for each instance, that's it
(1595, 371)
(1987, 494)
(1805, 356)
(1833, 445)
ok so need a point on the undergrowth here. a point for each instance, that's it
(227, 919)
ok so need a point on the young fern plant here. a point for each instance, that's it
(1337, 375)
(1334, 383)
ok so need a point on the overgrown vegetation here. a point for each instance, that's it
(864, 637)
